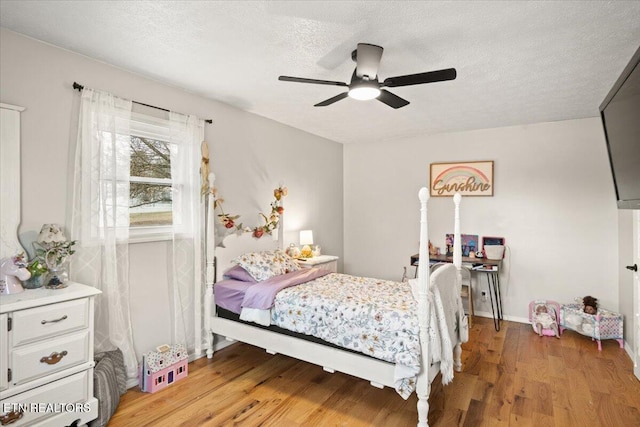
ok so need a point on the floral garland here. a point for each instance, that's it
(229, 221)
(270, 223)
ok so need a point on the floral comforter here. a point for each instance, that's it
(372, 316)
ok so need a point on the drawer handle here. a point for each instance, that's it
(11, 417)
(44, 322)
(54, 358)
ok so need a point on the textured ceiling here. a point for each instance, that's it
(517, 62)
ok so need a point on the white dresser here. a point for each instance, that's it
(46, 355)
(324, 262)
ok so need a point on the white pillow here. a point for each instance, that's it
(266, 264)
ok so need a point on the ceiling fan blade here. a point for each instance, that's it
(420, 78)
(392, 100)
(318, 82)
(368, 60)
(332, 100)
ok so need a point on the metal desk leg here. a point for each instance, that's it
(496, 287)
(496, 308)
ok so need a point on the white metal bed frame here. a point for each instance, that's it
(378, 373)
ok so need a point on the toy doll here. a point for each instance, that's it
(544, 321)
(590, 305)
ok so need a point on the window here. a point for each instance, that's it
(150, 181)
(137, 178)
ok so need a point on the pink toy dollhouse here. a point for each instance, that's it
(163, 368)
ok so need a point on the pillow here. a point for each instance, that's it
(267, 264)
(105, 389)
(238, 273)
(288, 263)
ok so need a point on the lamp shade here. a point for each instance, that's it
(306, 237)
(51, 233)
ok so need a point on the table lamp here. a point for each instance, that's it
(51, 233)
(306, 240)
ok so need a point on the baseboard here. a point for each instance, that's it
(219, 345)
(222, 343)
(489, 315)
(629, 349)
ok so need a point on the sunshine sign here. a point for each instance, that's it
(468, 179)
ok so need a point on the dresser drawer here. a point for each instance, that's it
(44, 402)
(36, 360)
(37, 323)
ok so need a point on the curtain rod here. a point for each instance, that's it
(79, 87)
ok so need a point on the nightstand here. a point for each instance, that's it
(325, 262)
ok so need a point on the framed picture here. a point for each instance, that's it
(469, 243)
(468, 179)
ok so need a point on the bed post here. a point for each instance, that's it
(457, 261)
(210, 244)
(457, 247)
(281, 229)
(423, 385)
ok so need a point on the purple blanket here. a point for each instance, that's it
(263, 294)
(229, 294)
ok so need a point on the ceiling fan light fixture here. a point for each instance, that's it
(365, 85)
(364, 93)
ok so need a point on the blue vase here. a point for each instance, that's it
(34, 282)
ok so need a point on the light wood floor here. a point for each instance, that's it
(510, 378)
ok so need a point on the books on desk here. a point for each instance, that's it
(484, 267)
(473, 266)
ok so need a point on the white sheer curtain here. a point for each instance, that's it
(100, 217)
(185, 252)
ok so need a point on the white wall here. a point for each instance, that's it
(553, 202)
(250, 155)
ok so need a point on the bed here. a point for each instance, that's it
(429, 306)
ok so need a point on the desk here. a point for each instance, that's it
(492, 272)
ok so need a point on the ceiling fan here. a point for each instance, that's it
(364, 81)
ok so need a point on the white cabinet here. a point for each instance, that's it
(47, 357)
(324, 262)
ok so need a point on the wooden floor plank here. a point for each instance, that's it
(510, 378)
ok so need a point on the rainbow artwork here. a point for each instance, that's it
(468, 179)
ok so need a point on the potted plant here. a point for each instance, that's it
(37, 270)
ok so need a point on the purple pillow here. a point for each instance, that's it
(238, 273)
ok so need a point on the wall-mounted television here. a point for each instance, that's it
(620, 112)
